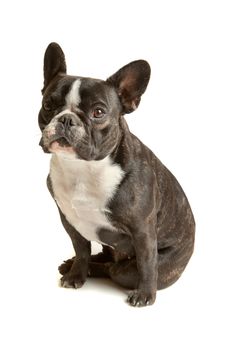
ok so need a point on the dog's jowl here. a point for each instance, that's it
(108, 186)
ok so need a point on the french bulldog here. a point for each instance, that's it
(108, 186)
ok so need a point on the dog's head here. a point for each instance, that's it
(81, 116)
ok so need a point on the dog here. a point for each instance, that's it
(108, 186)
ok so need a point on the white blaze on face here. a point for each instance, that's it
(73, 97)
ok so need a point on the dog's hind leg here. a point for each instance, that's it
(172, 262)
(102, 257)
(123, 273)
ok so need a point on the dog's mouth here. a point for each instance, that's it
(60, 144)
(56, 144)
(62, 141)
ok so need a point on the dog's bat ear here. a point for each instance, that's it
(131, 82)
(54, 63)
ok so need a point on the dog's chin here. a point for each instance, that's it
(61, 147)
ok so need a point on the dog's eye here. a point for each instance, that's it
(47, 106)
(98, 113)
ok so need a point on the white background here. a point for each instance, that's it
(184, 117)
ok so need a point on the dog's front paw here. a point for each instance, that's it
(141, 298)
(72, 280)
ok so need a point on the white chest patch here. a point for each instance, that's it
(82, 190)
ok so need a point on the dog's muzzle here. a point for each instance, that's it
(64, 130)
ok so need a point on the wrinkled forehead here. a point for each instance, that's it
(80, 91)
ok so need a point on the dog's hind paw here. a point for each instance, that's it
(65, 266)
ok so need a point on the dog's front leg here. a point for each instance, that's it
(145, 244)
(77, 275)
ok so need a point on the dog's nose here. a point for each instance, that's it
(68, 120)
